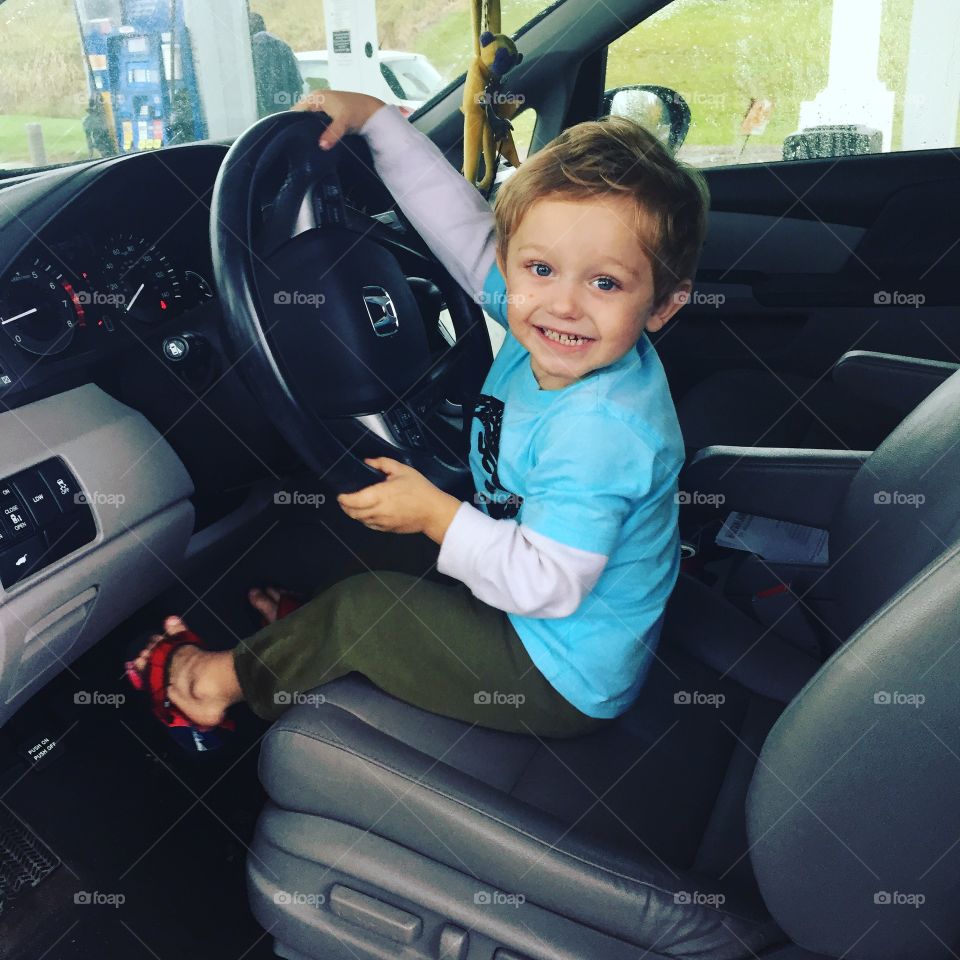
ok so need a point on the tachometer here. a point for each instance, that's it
(38, 308)
(141, 279)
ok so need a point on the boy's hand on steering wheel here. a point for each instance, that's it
(349, 111)
(406, 502)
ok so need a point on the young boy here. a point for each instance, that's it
(568, 554)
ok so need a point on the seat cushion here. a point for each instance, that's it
(602, 828)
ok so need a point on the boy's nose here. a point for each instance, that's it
(564, 304)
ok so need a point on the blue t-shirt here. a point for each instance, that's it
(593, 465)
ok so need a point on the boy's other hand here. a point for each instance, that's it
(349, 111)
(406, 502)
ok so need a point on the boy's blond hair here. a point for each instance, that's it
(609, 156)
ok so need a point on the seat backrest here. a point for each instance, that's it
(852, 812)
(901, 511)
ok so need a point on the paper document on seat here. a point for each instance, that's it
(778, 541)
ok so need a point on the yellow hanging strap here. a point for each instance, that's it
(487, 108)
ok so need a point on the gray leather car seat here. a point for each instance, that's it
(663, 835)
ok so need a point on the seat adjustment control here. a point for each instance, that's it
(454, 943)
(374, 915)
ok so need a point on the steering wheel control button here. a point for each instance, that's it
(35, 493)
(406, 427)
(20, 561)
(175, 349)
(61, 483)
(328, 204)
(13, 516)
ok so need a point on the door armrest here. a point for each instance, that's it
(890, 380)
(788, 483)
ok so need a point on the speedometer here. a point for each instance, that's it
(37, 309)
(141, 280)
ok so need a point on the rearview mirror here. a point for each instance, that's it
(660, 110)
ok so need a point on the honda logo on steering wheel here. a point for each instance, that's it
(382, 312)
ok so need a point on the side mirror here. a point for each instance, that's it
(660, 110)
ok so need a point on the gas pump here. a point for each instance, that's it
(140, 71)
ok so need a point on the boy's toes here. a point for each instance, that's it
(267, 600)
(264, 604)
(140, 663)
(173, 625)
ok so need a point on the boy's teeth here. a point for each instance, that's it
(562, 337)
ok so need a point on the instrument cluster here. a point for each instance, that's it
(69, 298)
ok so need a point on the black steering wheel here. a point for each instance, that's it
(331, 315)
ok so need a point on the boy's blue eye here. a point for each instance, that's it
(537, 266)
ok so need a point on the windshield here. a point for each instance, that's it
(81, 79)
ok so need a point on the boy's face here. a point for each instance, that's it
(577, 267)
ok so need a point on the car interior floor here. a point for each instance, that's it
(128, 812)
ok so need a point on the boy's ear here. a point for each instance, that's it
(678, 298)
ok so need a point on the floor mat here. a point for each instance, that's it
(25, 860)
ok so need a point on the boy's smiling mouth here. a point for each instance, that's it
(560, 338)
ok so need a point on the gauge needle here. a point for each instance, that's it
(134, 300)
(20, 316)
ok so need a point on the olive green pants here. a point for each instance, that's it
(429, 643)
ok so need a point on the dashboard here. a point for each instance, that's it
(129, 443)
(114, 256)
(112, 460)
(106, 279)
(121, 460)
(122, 257)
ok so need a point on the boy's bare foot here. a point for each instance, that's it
(203, 683)
(267, 601)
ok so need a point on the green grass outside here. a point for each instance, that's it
(63, 138)
(718, 54)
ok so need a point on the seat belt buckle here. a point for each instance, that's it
(776, 590)
(782, 612)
